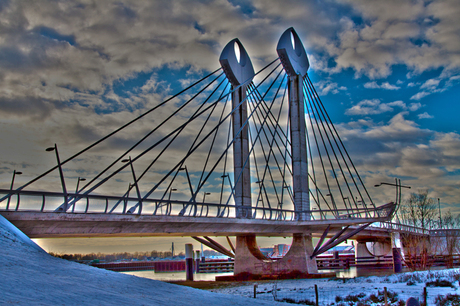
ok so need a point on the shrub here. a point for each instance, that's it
(448, 300)
(440, 283)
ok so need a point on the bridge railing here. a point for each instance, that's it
(42, 201)
(450, 232)
(399, 227)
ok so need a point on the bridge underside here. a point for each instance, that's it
(60, 225)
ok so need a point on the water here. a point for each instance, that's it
(176, 276)
(353, 272)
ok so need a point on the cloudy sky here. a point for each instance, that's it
(388, 73)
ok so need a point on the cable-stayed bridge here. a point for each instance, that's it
(236, 153)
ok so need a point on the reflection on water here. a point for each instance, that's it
(361, 271)
(176, 276)
(343, 273)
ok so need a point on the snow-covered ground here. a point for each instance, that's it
(29, 276)
(406, 285)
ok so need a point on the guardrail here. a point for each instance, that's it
(83, 203)
(400, 227)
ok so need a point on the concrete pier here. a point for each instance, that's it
(189, 261)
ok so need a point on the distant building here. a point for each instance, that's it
(342, 249)
(278, 251)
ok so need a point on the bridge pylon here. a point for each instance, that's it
(240, 72)
(249, 261)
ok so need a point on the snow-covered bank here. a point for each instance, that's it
(406, 285)
(29, 276)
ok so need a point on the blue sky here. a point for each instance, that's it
(388, 73)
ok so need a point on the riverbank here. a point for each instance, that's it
(333, 291)
(30, 276)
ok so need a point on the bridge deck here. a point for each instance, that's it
(55, 225)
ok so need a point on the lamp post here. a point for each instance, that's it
(80, 179)
(189, 181)
(170, 191)
(169, 199)
(440, 217)
(61, 174)
(132, 209)
(396, 241)
(382, 183)
(205, 194)
(347, 198)
(398, 189)
(333, 202)
(11, 188)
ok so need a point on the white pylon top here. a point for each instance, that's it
(292, 53)
(236, 63)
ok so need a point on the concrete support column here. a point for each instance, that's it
(250, 263)
(397, 250)
(189, 262)
(361, 252)
(299, 148)
(197, 261)
(241, 155)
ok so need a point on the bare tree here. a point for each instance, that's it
(418, 211)
(451, 242)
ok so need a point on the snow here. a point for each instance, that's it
(29, 276)
(329, 289)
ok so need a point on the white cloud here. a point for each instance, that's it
(414, 106)
(419, 95)
(368, 107)
(384, 85)
(374, 107)
(425, 115)
(430, 84)
(398, 103)
(326, 87)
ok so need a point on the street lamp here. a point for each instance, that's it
(80, 179)
(169, 199)
(205, 194)
(382, 183)
(11, 188)
(440, 218)
(61, 174)
(347, 198)
(132, 209)
(170, 191)
(188, 180)
(398, 193)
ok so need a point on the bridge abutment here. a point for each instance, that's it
(370, 253)
(250, 263)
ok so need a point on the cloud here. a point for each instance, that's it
(368, 107)
(384, 85)
(375, 107)
(72, 72)
(400, 148)
(419, 95)
(414, 106)
(425, 115)
(422, 37)
(400, 104)
(326, 87)
(430, 84)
